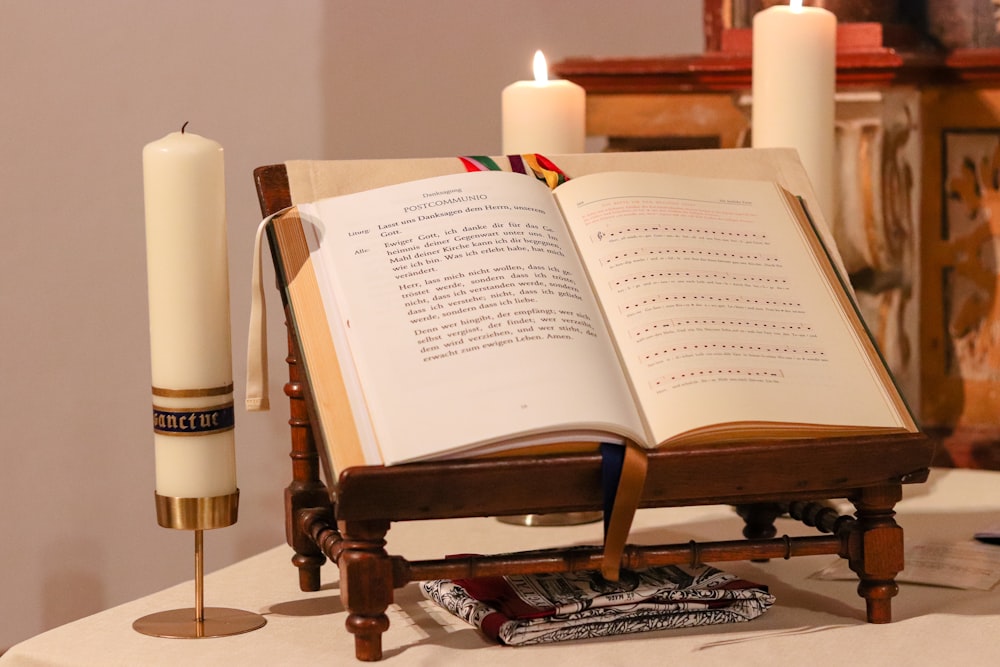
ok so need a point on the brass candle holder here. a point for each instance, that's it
(198, 514)
(184, 195)
(555, 519)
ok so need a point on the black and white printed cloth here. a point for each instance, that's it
(533, 609)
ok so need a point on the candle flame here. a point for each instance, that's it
(796, 5)
(541, 69)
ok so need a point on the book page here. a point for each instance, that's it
(721, 311)
(466, 314)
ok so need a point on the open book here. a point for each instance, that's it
(480, 312)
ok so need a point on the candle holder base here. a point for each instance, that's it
(199, 621)
(184, 624)
(554, 519)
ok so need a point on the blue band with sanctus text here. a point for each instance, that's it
(187, 421)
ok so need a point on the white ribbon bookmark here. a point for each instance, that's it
(257, 389)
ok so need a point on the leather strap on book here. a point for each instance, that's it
(623, 499)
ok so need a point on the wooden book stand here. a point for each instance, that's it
(348, 521)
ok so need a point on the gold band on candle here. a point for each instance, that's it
(193, 393)
(197, 513)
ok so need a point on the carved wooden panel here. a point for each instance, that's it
(961, 238)
(961, 135)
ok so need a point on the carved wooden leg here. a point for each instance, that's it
(758, 520)
(306, 490)
(875, 549)
(366, 585)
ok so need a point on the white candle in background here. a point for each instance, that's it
(794, 83)
(542, 116)
(189, 325)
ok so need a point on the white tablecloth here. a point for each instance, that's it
(814, 622)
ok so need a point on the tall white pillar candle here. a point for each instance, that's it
(189, 325)
(542, 116)
(794, 83)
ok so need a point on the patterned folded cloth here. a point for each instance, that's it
(534, 609)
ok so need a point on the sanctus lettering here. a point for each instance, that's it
(174, 421)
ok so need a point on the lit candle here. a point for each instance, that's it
(794, 82)
(543, 116)
(189, 326)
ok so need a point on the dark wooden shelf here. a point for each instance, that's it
(867, 55)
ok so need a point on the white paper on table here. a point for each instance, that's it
(966, 565)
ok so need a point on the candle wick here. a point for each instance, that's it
(183, 126)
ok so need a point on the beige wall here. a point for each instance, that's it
(84, 86)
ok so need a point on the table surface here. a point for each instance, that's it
(816, 621)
